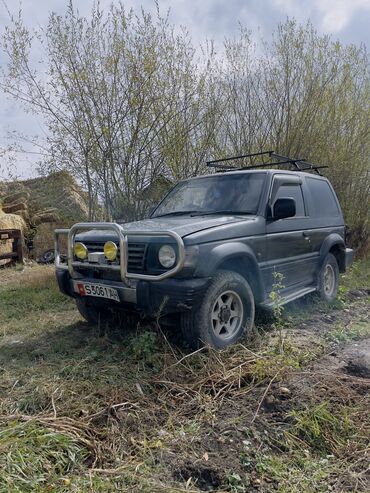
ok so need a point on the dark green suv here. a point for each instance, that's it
(209, 252)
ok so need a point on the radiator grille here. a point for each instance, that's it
(136, 254)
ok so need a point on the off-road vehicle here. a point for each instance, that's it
(209, 251)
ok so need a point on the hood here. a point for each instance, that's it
(183, 226)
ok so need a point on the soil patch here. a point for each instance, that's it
(205, 478)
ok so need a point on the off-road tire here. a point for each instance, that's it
(91, 314)
(197, 325)
(328, 279)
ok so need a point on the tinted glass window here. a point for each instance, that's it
(324, 203)
(293, 192)
(233, 192)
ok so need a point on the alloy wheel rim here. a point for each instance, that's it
(227, 315)
(329, 280)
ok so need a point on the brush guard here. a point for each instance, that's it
(122, 234)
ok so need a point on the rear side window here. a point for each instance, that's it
(293, 192)
(324, 203)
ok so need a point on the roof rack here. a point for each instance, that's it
(297, 164)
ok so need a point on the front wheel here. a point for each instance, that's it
(91, 314)
(328, 280)
(224, 315)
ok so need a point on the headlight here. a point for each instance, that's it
(110, 250)
(80, 251)
(167, 256)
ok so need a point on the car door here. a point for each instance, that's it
(289, 246)
(325, 213)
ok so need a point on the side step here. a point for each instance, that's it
(269, 304)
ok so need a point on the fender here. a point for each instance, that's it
(334, 239)
(238, 257)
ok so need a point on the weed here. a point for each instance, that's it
(348, 333)
(275, 294)
(341, 296)
(236, 484)
(273, 364)
(144, 347)
(279, 323)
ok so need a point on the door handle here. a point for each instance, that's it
(306, 235)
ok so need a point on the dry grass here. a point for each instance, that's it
(29, 276)
(130, 409)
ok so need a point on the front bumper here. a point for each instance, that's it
(149, 298)
(119, 266)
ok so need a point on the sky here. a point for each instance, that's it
(345, 20)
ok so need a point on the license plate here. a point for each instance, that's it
(97, 290)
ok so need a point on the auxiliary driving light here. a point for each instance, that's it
(80, 251)
(110, 251)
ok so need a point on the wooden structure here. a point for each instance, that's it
(16, 237)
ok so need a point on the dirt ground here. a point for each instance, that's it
(255, 419)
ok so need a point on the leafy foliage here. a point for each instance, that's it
(127, 100)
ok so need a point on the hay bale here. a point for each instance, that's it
(46, 216)
(14, 208)
(24, 215)
(49, 210)
(59, 191)
(21, 196)
(44, 238)
(9, 221)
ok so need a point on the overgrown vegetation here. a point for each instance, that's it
(129, 102)
(130, 409)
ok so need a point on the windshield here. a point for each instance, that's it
(227, 193)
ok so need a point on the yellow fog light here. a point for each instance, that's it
(80, 251)
(110, 250)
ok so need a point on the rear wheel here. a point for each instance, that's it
(328, 281)
(92, 315)
(224, 315)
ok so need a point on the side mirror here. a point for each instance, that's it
(284, 207)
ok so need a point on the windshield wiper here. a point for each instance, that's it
(175, 213)
(224, 211)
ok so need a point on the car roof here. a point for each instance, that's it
(259, 171)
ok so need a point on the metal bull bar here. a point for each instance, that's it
(123, 249)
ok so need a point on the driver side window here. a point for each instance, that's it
(293, 192)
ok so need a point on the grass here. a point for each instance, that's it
(358, 276)
(322, 428)
(344, 333)
(297, 472)
(129, 409)
(33, 458)
(325, 448)
(17, 301)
